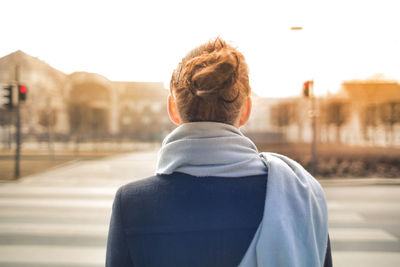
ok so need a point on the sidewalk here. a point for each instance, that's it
(110, 171)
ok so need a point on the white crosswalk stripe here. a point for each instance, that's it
(54, 203)
(360, 234)
(52, 255)
(54, 229)
(363, 259)
(345, 216)
(17, 190)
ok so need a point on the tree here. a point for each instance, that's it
(6, 122)
(336, 113)
(389, 114)
(283, 114)
(48, 119)
(5, 117)
(369, 118)
(76, 117)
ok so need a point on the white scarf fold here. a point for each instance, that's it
(294, 228)
(209, 149)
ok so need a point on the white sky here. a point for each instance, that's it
(144, 40)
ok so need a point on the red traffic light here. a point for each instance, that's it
(22, 92)
(22, 89)
(308, 88)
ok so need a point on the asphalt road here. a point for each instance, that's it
(364, 222)
(60, 218)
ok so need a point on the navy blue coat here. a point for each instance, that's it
(182, 220)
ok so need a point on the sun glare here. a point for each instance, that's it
(285, 43)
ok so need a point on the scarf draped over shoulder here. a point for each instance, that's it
(294, 228)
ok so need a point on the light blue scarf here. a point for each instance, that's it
(209, 149)
(294, 228)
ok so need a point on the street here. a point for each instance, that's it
(60, 218)
(364, 223)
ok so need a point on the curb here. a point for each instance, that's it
(359, 181)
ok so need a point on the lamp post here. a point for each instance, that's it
(17, 126)
(308, 91)
(313, 115)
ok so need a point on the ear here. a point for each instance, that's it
(245, 111)
(173, 111)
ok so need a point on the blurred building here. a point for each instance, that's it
(279, 119)
(374, 112)
(82, 105)
(361, 113)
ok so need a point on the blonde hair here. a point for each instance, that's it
(211, 83)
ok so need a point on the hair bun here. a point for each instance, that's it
(211, 83)
(211, 76)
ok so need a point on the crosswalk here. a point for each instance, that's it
(60, 218)
(364, 225)
(57, 228)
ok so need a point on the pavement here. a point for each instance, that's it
(364, 222)
(60, 218)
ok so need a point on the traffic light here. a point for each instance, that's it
(307, 88)
(8, 96)
(22, 90)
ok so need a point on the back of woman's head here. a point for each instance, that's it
(211, 83)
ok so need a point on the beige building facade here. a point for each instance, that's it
(80, 104)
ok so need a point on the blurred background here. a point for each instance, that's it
(97, 74)
(89, 82)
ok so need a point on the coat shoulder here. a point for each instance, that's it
(140, 187)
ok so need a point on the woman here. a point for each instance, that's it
(215, 201)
